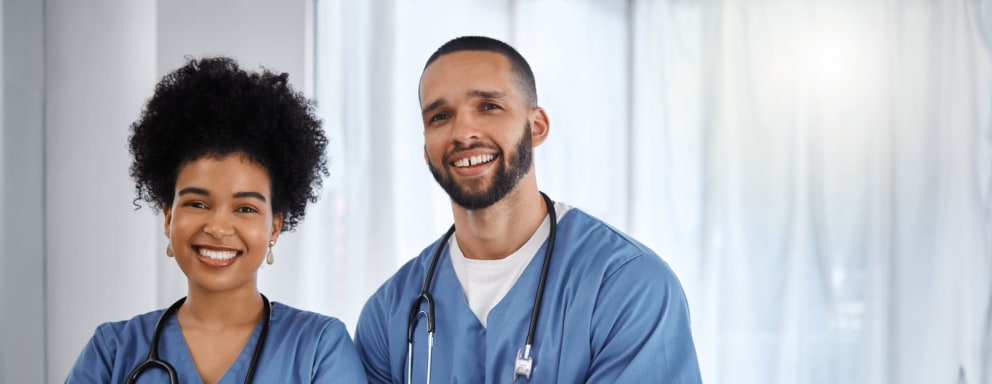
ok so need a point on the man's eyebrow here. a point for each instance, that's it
(198, 191)
(487, 94)
(432, 106)
(256, 195)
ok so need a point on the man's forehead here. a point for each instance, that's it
(471, 57)
(467, 62)
(466, 73)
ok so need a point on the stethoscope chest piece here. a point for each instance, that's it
(523, 365)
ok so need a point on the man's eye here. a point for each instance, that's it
(489, 107)
(438, 117)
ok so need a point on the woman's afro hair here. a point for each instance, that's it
(211, 107)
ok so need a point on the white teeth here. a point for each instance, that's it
(474, 160)
(218, 255)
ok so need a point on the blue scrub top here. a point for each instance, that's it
(301, 347)
(613, 312)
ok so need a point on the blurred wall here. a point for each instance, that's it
(76, 253)
(22, 278)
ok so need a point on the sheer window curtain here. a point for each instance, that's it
(818, 173)
(822, 168)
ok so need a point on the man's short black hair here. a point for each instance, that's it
(523, 75)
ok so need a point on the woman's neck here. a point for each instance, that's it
(216, 310)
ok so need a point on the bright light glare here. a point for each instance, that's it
(833, 59)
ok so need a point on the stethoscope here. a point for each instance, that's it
(152, 361)
(524, 362)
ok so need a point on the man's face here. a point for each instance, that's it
(477, 133)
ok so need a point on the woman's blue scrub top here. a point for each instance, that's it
(301, 347)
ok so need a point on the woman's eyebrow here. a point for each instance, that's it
(256, 195)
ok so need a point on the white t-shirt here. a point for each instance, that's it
(485, 282)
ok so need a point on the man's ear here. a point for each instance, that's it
(539, 126)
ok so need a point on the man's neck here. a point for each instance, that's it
(497, 231)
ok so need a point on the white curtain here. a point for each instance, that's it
(818, 173)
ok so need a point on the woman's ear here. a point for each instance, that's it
(539, 126)
(276, 226)
(167, 212)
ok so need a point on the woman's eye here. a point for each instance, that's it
(195, 204)
(246, 210)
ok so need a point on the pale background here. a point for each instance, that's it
(817, 173)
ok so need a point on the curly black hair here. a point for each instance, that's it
(211, 107)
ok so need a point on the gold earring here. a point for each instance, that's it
(168, 250)
(269, 258)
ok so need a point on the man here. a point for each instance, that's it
(611, 310)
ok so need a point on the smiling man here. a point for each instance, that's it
(521, 288)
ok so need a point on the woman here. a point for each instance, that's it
(231, 158)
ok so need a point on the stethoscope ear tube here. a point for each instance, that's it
(544, 270)
(261, 340)
(524, 364)
(152, 360)
(425, 295)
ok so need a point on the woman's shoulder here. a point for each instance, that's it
(300, 319)
(114, 345)
(134, 327)
(120, 337)
(322, 332)
(313, 344)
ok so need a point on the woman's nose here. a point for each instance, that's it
(219, 225)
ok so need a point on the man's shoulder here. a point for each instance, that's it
(590, 241)
(590, 231)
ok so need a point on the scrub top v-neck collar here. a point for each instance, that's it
(177, 352)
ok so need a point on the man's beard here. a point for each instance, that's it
(503, 182)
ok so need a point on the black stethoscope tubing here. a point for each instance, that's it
(425, 294)
(153, 360)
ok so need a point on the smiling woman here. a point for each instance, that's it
(222, 225)
(231, 158)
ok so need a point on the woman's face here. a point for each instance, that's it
(221, 221)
